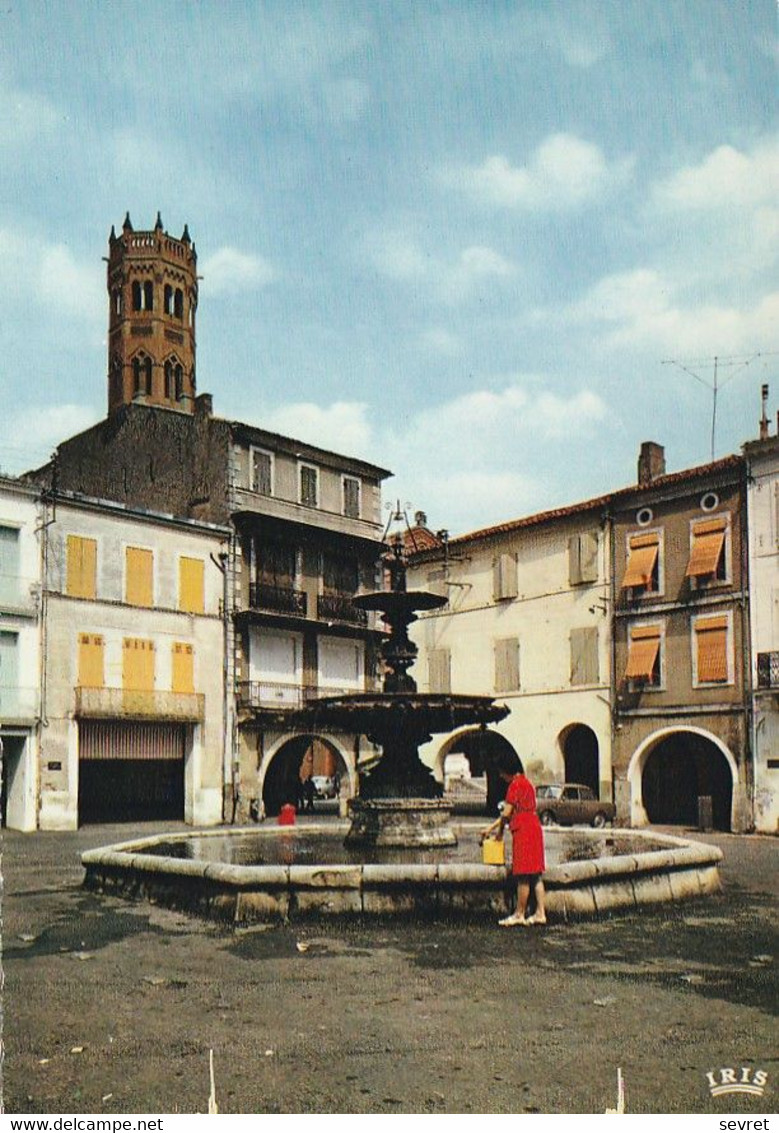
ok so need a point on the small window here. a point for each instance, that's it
(90, 660)
(261, 471)
(645, 656)
(142, 375)
(351, 497)
(708, 551)
(439, 670)
(178, 303)
(137, 296)
(178, 379)
(644, 517)
(169, 381)
(309, 485)
(504, 577)
(191, 585)
(182, 668)
(583, 558)
(81, 567)
(10, 581)
(710, 501)
(168, 300)
(148, 295)
(712, 651)
(507, 664)
(643, 566)
(139, 576)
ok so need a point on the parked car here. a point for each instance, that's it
(324, 785)
(568, 803)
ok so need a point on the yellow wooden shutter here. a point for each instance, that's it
(191, 585)
(81, 567)
(183, 667)
(139, 573)
(137, 665)
(90, 661)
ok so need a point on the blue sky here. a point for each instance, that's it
(457, 239)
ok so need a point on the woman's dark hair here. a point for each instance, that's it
(508, 762)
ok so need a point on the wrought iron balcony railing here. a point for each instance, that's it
(340, 608)
(120, 703)
(277, 599)
(288, 696)
(768, 670)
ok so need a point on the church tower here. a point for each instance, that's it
(152, 290)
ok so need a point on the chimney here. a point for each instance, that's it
(764, 415)
(651, 462)
(204, 404)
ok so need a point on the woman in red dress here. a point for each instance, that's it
(527, 840)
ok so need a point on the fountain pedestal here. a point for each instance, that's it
(400, 822)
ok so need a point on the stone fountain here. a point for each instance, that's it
(400, 801)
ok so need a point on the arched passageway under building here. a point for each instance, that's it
(479, 747)
(678, 770)
(579, 746)
(297, 760)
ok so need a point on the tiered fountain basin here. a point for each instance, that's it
(307, 871)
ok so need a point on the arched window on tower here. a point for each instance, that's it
(118, 301)
(178, 303)
(148, 295)
(179, 377)
(169, 386)
(168, 299)
(137, 296)
(142, 375)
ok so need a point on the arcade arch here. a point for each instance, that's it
(672, 769)
(295, 758)
(480, 747)
(579, 748)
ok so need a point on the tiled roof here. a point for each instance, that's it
(597, 502)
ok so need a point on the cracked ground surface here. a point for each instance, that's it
(112, 1006)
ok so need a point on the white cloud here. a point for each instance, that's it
(340, 427)
(230, 270)
(564, 172)
(643, 308)
(24, 116)
(726, 178)
(399, 256)
(50, 274)
(31, 437)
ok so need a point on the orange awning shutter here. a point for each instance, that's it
(708, 539)
(642, 655)
(641, 560)
(711, 635)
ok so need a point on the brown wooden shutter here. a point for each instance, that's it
(439, 663)
(507, 664)
(584, 656)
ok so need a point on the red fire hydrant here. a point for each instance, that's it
(287, 815)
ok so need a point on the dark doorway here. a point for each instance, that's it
(11, 789)
(679, 770)
(480, 748)
(130, 772)
(580, 752)
(298, 759)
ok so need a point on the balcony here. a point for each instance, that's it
(277, 599)
(129, 704)
(18, 705)
(287, 696)
(340, 608)
(768, 670)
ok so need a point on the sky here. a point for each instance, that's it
(492, 246)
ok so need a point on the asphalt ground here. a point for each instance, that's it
(111, 1006)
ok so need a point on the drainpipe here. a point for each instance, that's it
(750, 737)
(221, 562)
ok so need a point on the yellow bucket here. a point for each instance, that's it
(493, 852)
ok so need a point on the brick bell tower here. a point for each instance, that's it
(152, 290)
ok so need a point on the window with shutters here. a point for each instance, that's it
(90, 661)
(644, 568)
(137, 665)
(309, 485)
(646, 661)
(439, 670)
(712, 652)
(351, 490)
(191, 585)
(183, 667)
(504, 577)
(709, 562)
(507, 664)
(261, 471)
(139, 576)
(583, 558)
(584, 656)
(10, 582)
(81, 577)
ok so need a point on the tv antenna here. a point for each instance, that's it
(719, 362)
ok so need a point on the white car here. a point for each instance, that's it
(324, 785)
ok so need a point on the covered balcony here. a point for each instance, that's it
(768, 670)
(277, 599)
(340, 608)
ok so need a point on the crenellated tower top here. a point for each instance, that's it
(152, 289)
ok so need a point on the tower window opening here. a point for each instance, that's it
(142, 375)
(168, 301)
(178, 303)
(179, 379)
(169, 380)
(148, 296)
(137, 296)
(118, 302)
